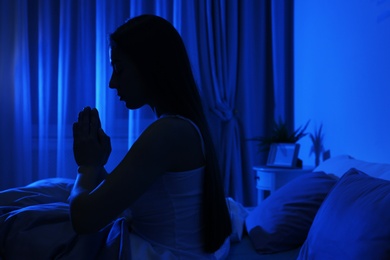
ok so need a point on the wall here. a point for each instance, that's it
(342, 76)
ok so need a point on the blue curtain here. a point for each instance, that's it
(54, 61)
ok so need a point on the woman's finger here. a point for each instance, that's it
(95, 117)
(85, 121)
(94, 123)
(95, 113)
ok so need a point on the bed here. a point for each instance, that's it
(293, 223)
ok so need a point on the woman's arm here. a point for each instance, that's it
(165, 146)
(88, 178)
(91, 148)
(93, 206)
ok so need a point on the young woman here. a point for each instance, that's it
(169, 179)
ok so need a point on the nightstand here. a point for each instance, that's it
(269, 179)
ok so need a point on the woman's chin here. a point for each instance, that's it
(132, 106)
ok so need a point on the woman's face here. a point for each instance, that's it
(126, 80)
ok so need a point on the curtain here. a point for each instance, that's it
(54, 61)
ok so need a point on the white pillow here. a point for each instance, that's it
(341, 164)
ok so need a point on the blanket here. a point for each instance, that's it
(35, 224)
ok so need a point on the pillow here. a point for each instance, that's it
(353, 221)
(341, 164)
(281, 222)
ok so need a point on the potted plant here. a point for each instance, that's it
(280, 134)
(317, 139)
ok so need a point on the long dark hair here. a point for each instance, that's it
(158, 51)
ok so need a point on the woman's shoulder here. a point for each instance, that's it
(178, 139)
(173, 126)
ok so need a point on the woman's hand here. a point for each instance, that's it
(91, 146)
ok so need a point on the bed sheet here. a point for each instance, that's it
(35, 224)
(245, 250)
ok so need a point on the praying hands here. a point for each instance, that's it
(91, 145)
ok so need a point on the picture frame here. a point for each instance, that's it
(283, 155)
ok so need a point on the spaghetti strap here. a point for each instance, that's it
(195, 126)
